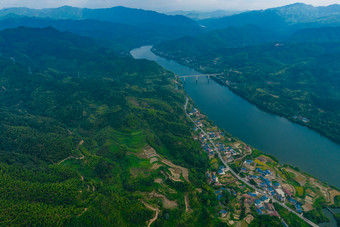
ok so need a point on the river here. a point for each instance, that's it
(290, 142)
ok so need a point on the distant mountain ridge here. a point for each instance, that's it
(200, 15)
(117, 14)
(280, 17)
(116, 35)
(119, 27)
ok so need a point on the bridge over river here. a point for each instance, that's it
(199, 75)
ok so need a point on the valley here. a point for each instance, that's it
(98, 130)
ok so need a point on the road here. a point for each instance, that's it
(154, 209)
(240, 178)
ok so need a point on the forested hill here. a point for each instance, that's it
(120, 28)
(316, 35)
(116, 35)
(73, 145)
(116, 15)
(231, 37)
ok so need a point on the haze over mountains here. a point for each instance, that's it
(114, 15)
(282, 17)
(119, 26)
(200, 15)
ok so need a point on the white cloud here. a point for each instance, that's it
(163, 4)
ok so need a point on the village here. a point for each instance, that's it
(239, 203)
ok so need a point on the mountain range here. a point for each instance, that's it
(115, 15)
(118, 27)
(280, 18)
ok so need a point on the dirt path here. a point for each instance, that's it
(152, 220)
(81, 155)
(323, 190)
(187, 204)
(85, 209)
(184, 171)
(332, 194)
(167, 203)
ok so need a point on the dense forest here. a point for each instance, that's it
(74, 119)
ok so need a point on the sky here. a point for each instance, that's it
(164, 5)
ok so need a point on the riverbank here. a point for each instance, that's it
(272, 111)
(313, 124)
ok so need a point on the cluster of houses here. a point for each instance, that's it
(266, 180)
(228, 153)
(296, 204)
(215, 135)
(303, 119)
(195, 112)
(205, 144)
(213, 176)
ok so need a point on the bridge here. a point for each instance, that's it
(201, 75)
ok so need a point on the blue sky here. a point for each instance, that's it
(164, 5)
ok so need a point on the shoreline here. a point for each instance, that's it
(263, 108)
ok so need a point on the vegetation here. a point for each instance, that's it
(316, 215)
(290, 218)
(337, 201)
(337, 218)
(266, 221)
(75, 119)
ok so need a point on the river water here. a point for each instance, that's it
(289, 142)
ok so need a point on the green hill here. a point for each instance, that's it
(73, 145)
(231, 37)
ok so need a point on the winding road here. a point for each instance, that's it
(240, 178)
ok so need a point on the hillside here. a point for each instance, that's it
(316, 35)
(231, 37)
(88, 137)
